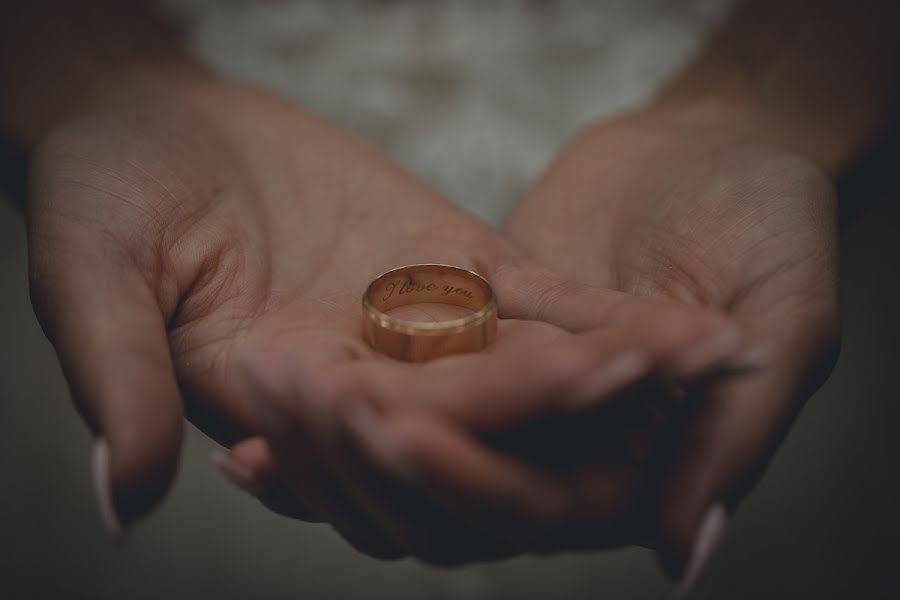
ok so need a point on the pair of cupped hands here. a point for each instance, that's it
(667, 301)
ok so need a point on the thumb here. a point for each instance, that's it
(729, 439)
(110, 337)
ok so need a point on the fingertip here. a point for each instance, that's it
(237, 473)
(249, 466)
(694, 495)
(139, 460)
(706, 539)
(252, 456)
(680, 518)
(721, 345)
(597, 386)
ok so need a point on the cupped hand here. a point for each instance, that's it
(708, 212)
(206, 252)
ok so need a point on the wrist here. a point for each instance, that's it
(826, 87)
(29, 119)
(735, 111)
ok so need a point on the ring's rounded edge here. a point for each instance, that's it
(419, 342)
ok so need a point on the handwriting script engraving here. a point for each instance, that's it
(407, 286)
(457, 291)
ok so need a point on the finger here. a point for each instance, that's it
(423, 528)
(513, 385)
(250, 467)
(521, 507)
(480, 391)
(110, 336)
(372, 506)
(296, 415)
(539, 295)
(730, 437)
(410, 521)
(690, 338)
(631, 429)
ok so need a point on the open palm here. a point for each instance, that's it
(208, 251)
(707, 215)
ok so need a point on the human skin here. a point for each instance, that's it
(681, 148)
(693, 214)
(721, 192)
(201, 246)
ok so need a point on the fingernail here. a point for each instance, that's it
(711, 350)
(103, 490)
(612, 376)
(707, 540)
(379, 441)
(743, 365)
(750, 360)
(239, 475)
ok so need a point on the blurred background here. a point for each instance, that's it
(475, 97)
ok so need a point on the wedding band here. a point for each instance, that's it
(429, 283)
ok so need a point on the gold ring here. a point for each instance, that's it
(429, 283)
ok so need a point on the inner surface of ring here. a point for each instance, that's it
(428, 284)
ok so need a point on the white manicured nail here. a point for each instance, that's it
(239, 475)
(707, 540)
(103, 490)
(612, 376)
(712, 350)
